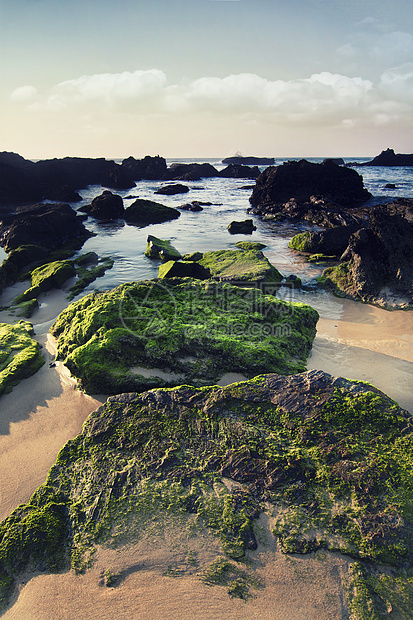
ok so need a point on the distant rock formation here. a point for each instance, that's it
(249, 161)
(390, 158)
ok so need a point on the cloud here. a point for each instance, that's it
(324, 98)
(23, 94)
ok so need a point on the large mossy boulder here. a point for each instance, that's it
(20, 355)
(49, 276)
(144, 212)
(328, 462)
(172, 331)
(240, 266)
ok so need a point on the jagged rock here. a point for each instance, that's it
(144, 212)
(246, 227)
(107, 206)
(390, 158)
(297, 186)
(377, 264)
(46, 225)
(172, 189)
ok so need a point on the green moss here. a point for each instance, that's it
(25, 309)
(20, 355)
(337, 278)
(303, 242)
(161, 249)
(198, 330)
(240, 265)
(250, 245)
(321, 258)
(49, 276)
(329, 460)
(87, 275)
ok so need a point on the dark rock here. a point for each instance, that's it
(335, 160)
(143, 212)
(170, 190)
(390, 158)
(249, 161)
(107, 206)
(237, 171)
(47, 225)
(332, 241)
(302, 182)
(390, 186)
(183, 269)
(191, 172)
(377, 264)
(191, 206)
(63, 194)
(151, 168)
(246, 227)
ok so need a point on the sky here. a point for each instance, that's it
(206, 78)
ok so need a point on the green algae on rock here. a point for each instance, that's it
(20, 355)
(327, 459)
(162, 249)
(49, 276)
(88, 273)
(240, 266)
(196, 330)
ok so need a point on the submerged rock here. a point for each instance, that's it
(196, 330)
(171, 190)
(20, 355)
(326, 459)
(245, 227)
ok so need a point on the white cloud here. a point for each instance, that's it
(23, 94)
(324, 98)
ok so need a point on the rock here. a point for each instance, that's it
(183, 269)
(26, 182)
(249, 161)
(144, 212)
(161, 249)
(194, 256)
(390, 186)
(377, 264)
(303, 184)
(170, 190)
(335, 160)
(240, 266)
(325, 460)
(49, 276)
(237, 171)
(332, 241)
(156, 324)
(191, 172)
(390, 158)
(246, 227)
(250, 245)
(20, 354)
(151, 168)
(46, 225)
(191, 206)
(107, 206)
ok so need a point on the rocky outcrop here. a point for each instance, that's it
(297, 187)
(191, 172)
(241, 265)
(151, 168)
(249, 161)
(26, 182)
(46, 225)
(191, 331)
(331, 242)
(390, 158)
(377, 264)
(237, 171)
(326, 460)
(107, 206)
(144, 212)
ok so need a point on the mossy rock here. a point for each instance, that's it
(193, 256)
(240, 266)
(25, 309)
(250, 245)
(144, 212)
(20, 355)
(200, 330)
(49, 276)
(315, 453)
(87, 275)
(183, 269)
(161, 249)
